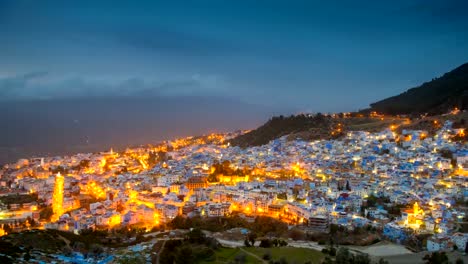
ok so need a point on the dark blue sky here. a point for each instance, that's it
(309, 55)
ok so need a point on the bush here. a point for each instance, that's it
(27, 257)
(246, 243)
(265, 243)
(436, 257)
(204, 253)
(267, 256)
(296, 234)
(184, 255)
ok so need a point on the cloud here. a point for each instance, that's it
(180, 43)
(12, 86)
(40, 85)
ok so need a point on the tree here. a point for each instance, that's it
(343, 256)
(46, 213)
(333, 229)
(31, 221)
(128, 259)
(184, 255)
(168, 255)
(361, 259)
(265, 243)
(178, 222)
(96, 249)
(246, 243)
(196, 236)
(27, 256)
(436, 257)
(383, 261)
(296, 234)
(275, 242)
(251, 237)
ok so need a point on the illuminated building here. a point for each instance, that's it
(413, 218)
(57, 198)
(196, 182)
(2, 231)
(234, 179)
(275, 210)
(93, 189)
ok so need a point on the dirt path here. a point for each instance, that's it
(253, 255)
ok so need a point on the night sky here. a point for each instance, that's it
(307, 55)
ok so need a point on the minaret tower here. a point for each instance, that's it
(57, 198)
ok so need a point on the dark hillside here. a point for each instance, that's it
(279, 126)
(434, 97)
(312, 127)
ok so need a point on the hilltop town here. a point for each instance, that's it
(397, 184)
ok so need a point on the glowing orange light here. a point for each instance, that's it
(57, 197)
(461, 133)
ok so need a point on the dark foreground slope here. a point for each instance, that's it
(435, 97)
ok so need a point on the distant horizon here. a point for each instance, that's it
(37, 128)
(215, 66)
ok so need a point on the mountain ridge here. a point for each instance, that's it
(438, 96)
(434, 97)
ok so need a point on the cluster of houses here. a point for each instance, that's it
(315, 183)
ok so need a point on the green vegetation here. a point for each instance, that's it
(436, 257)
(263, 255)
(232, 255)
(437, 96)
(261, 226)
(19, 198)
(132, 259)
(343, 256)
(8, 252)
(371, 125)
(156, 157)
(46, 213)
(194, 248)
(312, 127)
(35, 239)
(281, 126)
(290, 254)
(197, 248)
